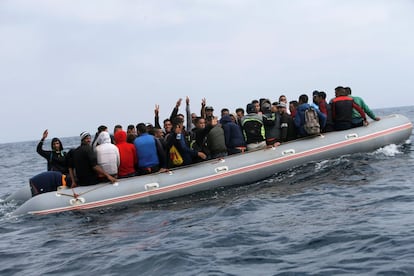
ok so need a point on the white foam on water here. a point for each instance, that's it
(389, 150)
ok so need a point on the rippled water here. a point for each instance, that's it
(350, 215)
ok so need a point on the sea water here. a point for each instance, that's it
(350, 215)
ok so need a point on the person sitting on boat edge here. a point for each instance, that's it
(56, 158)
(83, 164)
(342, 107)
(357, 120)
(48, 182)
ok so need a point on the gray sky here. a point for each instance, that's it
(71, 66)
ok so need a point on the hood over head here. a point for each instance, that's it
(225, 119)
(54, 140)
(103, 138)
(120, 136)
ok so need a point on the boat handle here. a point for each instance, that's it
(288, 152)
(151, 186)
(351, 136)
(221, 169)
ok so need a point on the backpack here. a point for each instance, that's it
(311, 125)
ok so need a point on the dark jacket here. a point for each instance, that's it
(232, 133)
(55, 161)
(342, 108)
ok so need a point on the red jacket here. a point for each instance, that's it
(127, 154)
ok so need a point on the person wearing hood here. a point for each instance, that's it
(107, 154)
(83, 165)
(233, 135)
(127, 155)
(56, 158)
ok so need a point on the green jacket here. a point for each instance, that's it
(359, 101)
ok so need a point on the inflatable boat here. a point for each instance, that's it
(239, 169)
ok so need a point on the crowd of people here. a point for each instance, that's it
(147, 148)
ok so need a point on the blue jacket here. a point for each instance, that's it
(300, 118)
(146, 149)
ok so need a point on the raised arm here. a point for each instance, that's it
(188, 113)
(157, 116)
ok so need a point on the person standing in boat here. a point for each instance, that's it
(56, 158)
(83, 164)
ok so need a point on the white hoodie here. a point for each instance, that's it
(107, 154)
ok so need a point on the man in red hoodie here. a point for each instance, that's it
(127, 155)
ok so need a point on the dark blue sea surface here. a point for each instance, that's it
(352, 215)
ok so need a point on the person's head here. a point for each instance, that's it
(282, 99)
(348, 90)
(240, 112)
(117, 128)
(340, 91)
(233, 117)
(250, 108)
(303, 99)
(281, 107)
(225, 111)
(131, 130)
(200, 122)
(56, 144)
(177, 125)
(103, 138)
(193, 117)
(167, 125)
(102, 128)
(273, 108)
(265, 107)
(209, 111)
(120, 137)
(141, 128)
(212, 120)
(293, 105)
(85, 138)
(322, 95)
(150, 128)
(158, 133)
(256, 105)
(315, 96)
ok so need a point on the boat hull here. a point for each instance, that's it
(237, 169)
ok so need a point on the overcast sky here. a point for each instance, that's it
(71, 66)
